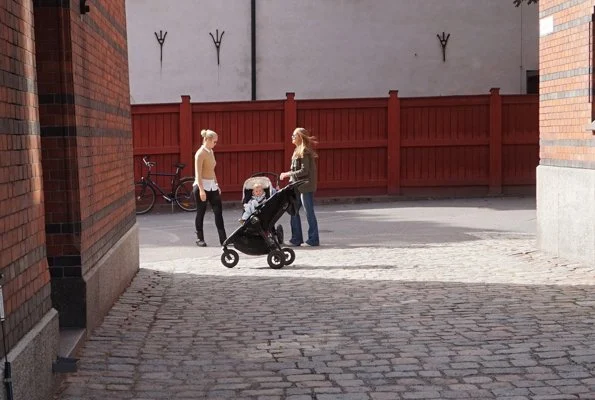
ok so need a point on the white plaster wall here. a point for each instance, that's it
(330, 48)
(189, 56)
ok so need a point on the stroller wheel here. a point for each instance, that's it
(276, 259)
(279, 231)
(289, 255)
(230, 258)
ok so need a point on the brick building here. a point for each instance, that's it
(69, 242)
(566, 174)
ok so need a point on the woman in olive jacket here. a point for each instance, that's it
(303, 166)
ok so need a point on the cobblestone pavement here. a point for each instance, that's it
(404, 300)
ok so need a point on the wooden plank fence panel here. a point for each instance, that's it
(250, 140)
(352, 141)
(444, 142)
(155, 133)
(375, 145)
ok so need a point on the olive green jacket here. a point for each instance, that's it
(305, 168)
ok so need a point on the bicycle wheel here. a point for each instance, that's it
(144, 196)
(184, 196)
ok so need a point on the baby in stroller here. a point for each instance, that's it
(258, 235)
(258, 197)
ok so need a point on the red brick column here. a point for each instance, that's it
(23, 264)
(566, 172)
(566, 85)
(84, 107)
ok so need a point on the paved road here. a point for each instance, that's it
(405, 300)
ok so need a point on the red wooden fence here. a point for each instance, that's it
(372, 146)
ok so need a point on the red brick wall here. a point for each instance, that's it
(104, 129)
(22, 247)
(566, 85)
(86, 140)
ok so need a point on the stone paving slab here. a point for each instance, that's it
(420, 300)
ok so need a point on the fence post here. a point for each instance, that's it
(393, 150)
(290, 123)
(185, 138)
(495, 142)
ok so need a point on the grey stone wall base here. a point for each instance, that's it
(566, 212)
(108, 279)
(31, 361)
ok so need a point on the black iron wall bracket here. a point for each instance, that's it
(161, 40)
(217, 41)
(443, 42)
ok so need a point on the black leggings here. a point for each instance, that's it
(214, 199)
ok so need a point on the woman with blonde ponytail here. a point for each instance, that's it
(206, 188)
(303, 166)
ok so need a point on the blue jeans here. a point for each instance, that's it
(297, 238)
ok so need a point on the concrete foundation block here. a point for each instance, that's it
(566, 212)
(31, 361)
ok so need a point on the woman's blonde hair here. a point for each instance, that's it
(307, 143)
(207, 134)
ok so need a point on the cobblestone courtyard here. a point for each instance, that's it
(406, 300)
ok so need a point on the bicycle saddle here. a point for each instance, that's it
(180, 165)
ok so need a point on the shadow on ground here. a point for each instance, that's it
(183, 336)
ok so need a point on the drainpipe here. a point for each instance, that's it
(253, 38)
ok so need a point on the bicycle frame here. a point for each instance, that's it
(169, 197)
(155, 185)
(147, 189)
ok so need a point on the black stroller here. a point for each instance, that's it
(258, 235)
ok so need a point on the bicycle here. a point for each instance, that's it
(181, 189)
